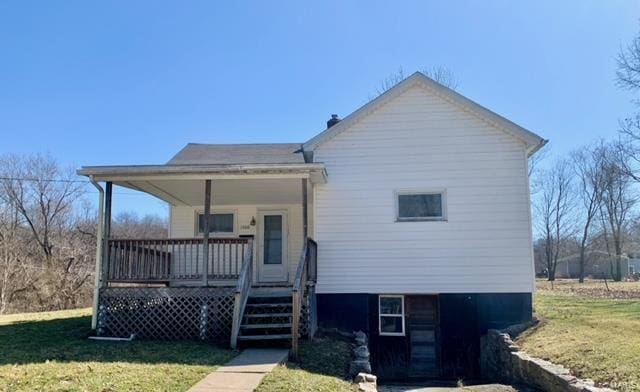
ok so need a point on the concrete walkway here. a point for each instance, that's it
(244, 372)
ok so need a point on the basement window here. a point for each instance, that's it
(391, 315)
(219, 223)
(420, 206)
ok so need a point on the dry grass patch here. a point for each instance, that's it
(597, 338)
(592, 288)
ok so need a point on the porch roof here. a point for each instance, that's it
(233, 184)
(316, 172)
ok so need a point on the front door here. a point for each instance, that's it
(272, 246)
(422, 329)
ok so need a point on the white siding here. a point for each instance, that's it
(421, 142)
(183, 225)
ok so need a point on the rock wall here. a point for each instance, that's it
(502, 361)
(360, 367)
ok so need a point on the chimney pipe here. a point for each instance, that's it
(333, 120)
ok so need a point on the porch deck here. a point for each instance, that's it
(199, 288)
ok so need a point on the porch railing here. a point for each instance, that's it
(307, 272)
(162, 260)
(241, 295)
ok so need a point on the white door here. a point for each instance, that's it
(273, 263)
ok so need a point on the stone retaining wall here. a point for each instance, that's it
(502, 361)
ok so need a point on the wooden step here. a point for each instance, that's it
(256, 315)
(265, 326)
(264, 337)
(271, 294)
(270, 305)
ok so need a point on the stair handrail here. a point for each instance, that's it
(242, 293)
(297, 293)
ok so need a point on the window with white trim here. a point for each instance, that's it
(219, 223)
(391, 315)
(420, 206)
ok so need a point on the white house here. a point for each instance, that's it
(408, 219)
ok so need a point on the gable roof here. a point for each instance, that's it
(237, 154)
(531, 140)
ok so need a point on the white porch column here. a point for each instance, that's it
(99, 239)
(106, 234)
(305, 212)
(205, 233)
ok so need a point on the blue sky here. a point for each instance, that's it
(122, 82)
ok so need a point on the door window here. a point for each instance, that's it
(273, 239)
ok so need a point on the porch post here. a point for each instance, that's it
(205, 233)
(305, 212)
(99, 238)
(106, 234)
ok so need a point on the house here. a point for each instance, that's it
(598, 265)
(633, 265)
(408, 219)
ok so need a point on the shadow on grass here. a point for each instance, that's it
(66, 340)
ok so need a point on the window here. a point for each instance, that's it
(391, 315)
(420, 206)
(218, 223)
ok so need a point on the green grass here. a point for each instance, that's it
(322, 367)
(51, 352)
(597, 338)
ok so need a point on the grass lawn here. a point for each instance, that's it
(590, 331)
(322, 367)
(51, 352)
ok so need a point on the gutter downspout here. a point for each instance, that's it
(96, 290)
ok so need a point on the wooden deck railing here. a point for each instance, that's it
(242, 294)
(307, 272)
(162, 260)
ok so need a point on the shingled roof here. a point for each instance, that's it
(238, 154)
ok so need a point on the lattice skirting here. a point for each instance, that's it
(308, 314)
(171, 313)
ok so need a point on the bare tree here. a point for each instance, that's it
(130, 225)
(628, 74)
(617, 203)
(628, 77)
(536, 159)
(48, 235)
(17, 274)
(554, 206)
(440, 74)
(587, 164)
(42, 193)
(534, 167)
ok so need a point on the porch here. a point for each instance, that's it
(239, 238)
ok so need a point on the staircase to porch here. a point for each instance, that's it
(271, 316)
(267, 317)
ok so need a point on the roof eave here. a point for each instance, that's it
(104, 173)
(537, 147)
